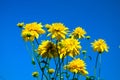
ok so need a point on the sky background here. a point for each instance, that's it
(100, 18)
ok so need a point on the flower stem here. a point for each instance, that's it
(96, 64)
(73, 76)
(100, 62)
(38, 61)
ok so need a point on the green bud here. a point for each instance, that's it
(35, 74)
(33, 61)
(84, 51)
(87, 37)
(20, 24)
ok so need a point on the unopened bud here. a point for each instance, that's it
(20, 24)
(87, 37)
(50, 71)
(35, 74)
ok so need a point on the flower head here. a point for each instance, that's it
(47, 49)
(100, 46)
(57, 30)
(35, 27)
(29, 35)
(77, 66)
(70, 46)
(78, 33)
(32, 31)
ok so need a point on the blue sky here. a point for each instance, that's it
(100, 18)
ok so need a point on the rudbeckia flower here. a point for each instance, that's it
(70, 46)
(32, 31)
(77, 66)
(78, 33)
(100, 46)
(57, 30)
(29, 35)
(47, 49)
(35, 27)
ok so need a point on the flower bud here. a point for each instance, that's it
(50, 71)
(20, 24)
(33, 61)
(35, 74)
(87, 37)
(84, 51)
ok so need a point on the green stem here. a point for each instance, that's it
(73, 76)
(49, 68)
(37, 41)
(56, 64)
(100, 62)
(84, 57)
(59, 63)
(96, 64)
(32, 56)
(80, 77)
(39, 64)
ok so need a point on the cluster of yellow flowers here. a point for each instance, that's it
(63, 47)
(69, 46)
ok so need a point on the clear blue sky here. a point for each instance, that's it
(100, 18)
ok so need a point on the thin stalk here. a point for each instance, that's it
(73, 76)
(37, 41)
(56, 64)
(43, 74)
(80, 77)
(32, 56)
(49, 68)
(67, 63)
(96, 64)
(84, 57)
(100, 62)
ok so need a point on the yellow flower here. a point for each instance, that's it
(77, 66)
(100, 46)
(70, 46)
(78, 33)
(47, 49)
(32, 31)
(57, 30)
(29, 35)
(50, 71)
(20, 24)
(35, 27)
(35, 74)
